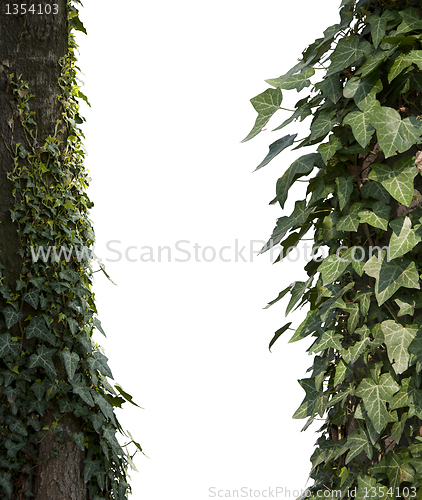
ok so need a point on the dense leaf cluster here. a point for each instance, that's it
(50, 367)
(365, 303)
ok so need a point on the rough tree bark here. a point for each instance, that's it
(31, 46)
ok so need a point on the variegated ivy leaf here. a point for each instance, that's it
(314, 401)
(351, 354)
(320, 191)
(298, 290)
(361, 128)
(398, 181)
(397, 339)
(375, 396)
(342, 371)
(394, 134)
(333, 266)
(302, 166)
(411, 21)
(407, 306)
(403, 61)
(403, 237)
(416, 348)
(323, 124)
(344, 189)
(396, 468)
(346, 53)
(375, 190)
(334, 302)
(297, 81)
(373, 60)
(277, 147)
(328, 149)
(354, 315)
(299, 216)
(309, 325)
(365, 95)
(266, 104)
(390, 276)
(351, 87)
(330, 87)
(350, 222)
(359, 441)
(364, 299)
(379, 26)
(329, 339)
(378, 217)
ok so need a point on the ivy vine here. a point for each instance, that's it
(364, 191)
(49, 361)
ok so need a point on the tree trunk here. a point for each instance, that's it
(31, 45)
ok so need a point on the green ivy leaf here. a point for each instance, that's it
(298, 81)
(71, 360)
(390, 276)
(278, 333)
(403, 238)
(398, 181)
(407, 306)
(7, 345)
(375, 396)
(365, 95)
(91, 467)
(314, 401)
(376, 191)
(328, 149)
(32, 297)
(330, 87)
(302, 166)
(394, 134)
(361, 128)
(43, 358)
(37, 328)
(379, 26)
(350, 222)
(277, 147)
(329, 339)
(344, 189)
(397, 339)
(266, 104)
(396, 469)
(346, 53)
(411, 21)
(378, 217)
(323, 124)
(79, 439)
(279, 297)
(359, 441)
(11, 316)
(79, 387)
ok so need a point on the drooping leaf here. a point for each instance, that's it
(298, 81)
(277, 147)
(266, 104)
(278, 333)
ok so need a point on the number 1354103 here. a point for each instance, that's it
(34, 8)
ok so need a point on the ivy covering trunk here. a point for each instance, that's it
(57, 420)
(363, 203)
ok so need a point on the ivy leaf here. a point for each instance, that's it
(379, 26)
(397, 181)
(361, 128)
(403, 61)
(351, 87)
(322, 124)
(302, 166)
(374, 398)
(79, 387)
(11, 316)
(365, 95)
(379, 216)
(411, 21)
(403, 237)
(373, 61)
(104, 406)
(266, 104)
(375, 190)
(43, 358)
(390, 276)
(298, 216)
(397, 339)
(407, 306)
(359, 441)
(328, 149)
(309, 325)
(32, 297)
(330, 87)
(333, 266)
(344, 189)
(313, 402)
(278, 333)
(7, 345)
(354, 316)
(71, 360)
(127, 396)
(350, 222)
(109, 433)
(279, 297)
(298, 290)
(396, 469)
(297, 81)
(6, 483)
(91, 467)
(329, 339)
(276, 148)
(79, 439)
(394, 134)
(37, 328)
(342, 371)
(346, 53)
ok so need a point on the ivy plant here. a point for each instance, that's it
(362, 204)
(50, 366)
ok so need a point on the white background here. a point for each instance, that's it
(170, 83)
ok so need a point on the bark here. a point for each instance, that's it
(31, 45)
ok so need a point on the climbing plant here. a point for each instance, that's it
(54, 378)
(363, 205)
